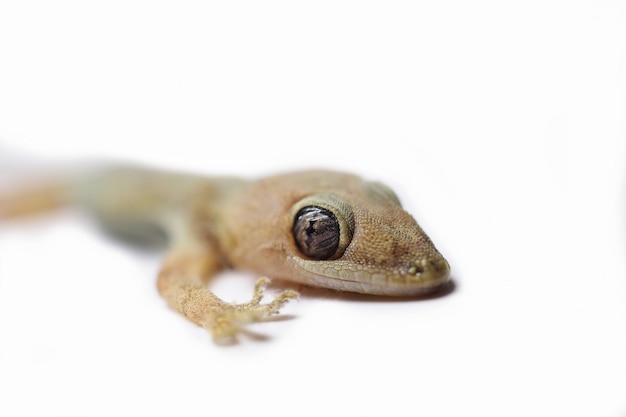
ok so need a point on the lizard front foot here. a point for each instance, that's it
(225, 321)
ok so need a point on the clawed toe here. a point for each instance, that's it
(227, 322)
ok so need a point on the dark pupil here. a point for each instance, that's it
(316, 232)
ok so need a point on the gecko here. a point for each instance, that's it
(319, 228)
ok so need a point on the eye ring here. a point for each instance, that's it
(322, 226)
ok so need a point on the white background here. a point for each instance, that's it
(501, 125)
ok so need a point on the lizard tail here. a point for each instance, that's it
(35, 198)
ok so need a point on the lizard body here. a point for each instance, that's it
(319, 228)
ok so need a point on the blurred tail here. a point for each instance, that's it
(34, 197)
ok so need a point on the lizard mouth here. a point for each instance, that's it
(420, 278)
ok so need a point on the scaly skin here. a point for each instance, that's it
(213, 223)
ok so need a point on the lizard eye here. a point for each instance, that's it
(316, 232)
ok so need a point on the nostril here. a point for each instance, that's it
(433, 266)
(417, 268)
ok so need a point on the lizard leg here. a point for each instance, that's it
(182, 281)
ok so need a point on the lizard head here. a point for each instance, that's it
(338, 231)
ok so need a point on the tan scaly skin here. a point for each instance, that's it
(364, 240)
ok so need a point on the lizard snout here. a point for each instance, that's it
(430, 268)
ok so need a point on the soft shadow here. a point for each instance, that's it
(245, 332)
